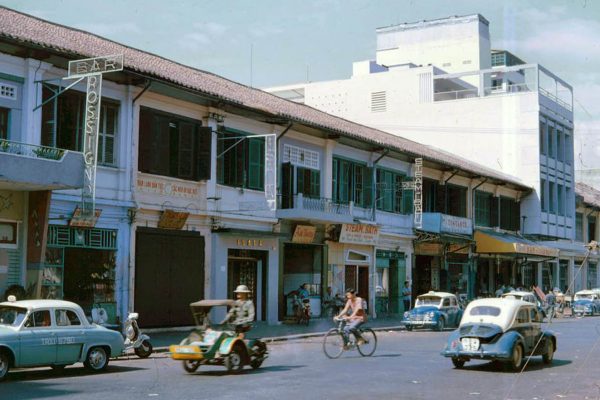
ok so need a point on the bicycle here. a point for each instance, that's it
(333, 342)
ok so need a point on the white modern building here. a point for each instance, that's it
(440, 83)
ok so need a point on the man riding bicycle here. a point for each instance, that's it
(357, 317)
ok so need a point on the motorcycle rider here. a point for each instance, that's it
(241, 314)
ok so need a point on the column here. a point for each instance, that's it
(211, 185)
(571, 274)
(328, 169)
(539, 275)
(31, 121)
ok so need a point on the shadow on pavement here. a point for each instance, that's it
(36, 390)
(33, 375)
(536, 364)
(373, 356)
(246, 371)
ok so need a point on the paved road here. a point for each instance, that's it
(407, 365)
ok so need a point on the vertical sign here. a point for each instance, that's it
(418, 193)
(271, 171)
(92, 69)
(90, 144)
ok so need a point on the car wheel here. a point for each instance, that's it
(548, 355)
(440, 325)
(517, 357)
(4, 364)
(191, 365)
(409, 327)
(144, 350)
(458, 363)
(234, 362)
(96, 360)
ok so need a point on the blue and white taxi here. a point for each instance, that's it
(435, 310)
(53, 333)
(500, 329)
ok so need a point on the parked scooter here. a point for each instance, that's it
(135, 339)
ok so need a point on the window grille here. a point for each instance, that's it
(8, 91)
(300, 157)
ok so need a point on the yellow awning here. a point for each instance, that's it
(505, 243)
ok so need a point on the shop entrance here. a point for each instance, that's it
(422, 275)
(302, 264)
(248, 267)
(357, 277)
(169, 275)
(89, 277)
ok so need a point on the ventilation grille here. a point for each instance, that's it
(8, 91)
(300, 157)
(379, 101)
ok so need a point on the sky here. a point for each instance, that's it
(266, 42)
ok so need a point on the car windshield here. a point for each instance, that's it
(485, 310)
(428, 301)
(584, 296)
(12, 316)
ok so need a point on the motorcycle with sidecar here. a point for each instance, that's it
(214, 344)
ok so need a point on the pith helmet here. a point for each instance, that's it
(241, 289)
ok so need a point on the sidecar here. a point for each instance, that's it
(213, 344)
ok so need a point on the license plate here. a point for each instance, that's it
(185, 352)
(470, 344)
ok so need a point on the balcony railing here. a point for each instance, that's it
(30, 150)
(315, 204)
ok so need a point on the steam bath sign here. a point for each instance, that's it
(359, 234)
(92, 69)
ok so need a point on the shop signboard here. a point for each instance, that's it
(359, 234)
(165, 188)
(304, 234)
(170, 219)
(78, 221)
(442, 223)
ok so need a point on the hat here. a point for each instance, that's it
(241, 289)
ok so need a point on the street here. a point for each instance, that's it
(406, 365)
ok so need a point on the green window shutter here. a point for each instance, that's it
(397, 192)
(407, 202)
(494, 221)
(300, 180)
(335, 181)
(256, 167)
(345, 180)
(204, 154)
(315, 183)
(379, 189)
(367, 185)
(389, 192)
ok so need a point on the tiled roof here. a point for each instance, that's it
(590, 195)
(74, 43)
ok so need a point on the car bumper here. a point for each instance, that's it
(419, 323)
(481, 354)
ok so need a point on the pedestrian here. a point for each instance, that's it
(499, 291)
(406, 295)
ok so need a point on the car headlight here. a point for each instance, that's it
(406, 314)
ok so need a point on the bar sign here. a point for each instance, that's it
(96, 65)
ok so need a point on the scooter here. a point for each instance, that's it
(135, 339)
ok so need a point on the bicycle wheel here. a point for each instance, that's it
(367, 348)
(333, 343)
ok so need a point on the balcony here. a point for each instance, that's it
(504, 80)
(29, 167)
(326, 211)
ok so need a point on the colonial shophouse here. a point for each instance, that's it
(192, 199)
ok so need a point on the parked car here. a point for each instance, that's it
(435, 310)
(529, 297)
(500, 329)
(52, 333)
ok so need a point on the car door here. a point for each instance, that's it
(522, 326)
(70, 334)
(37, 340)
(445, 309)
(453, 312)
(535, 330)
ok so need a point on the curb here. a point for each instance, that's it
(307, 335)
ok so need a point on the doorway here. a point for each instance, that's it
(248, 267)
(357, 278)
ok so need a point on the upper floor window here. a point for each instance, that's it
(4, 114)
(560, 203)
(579, 227)
(591, 228)
(390, 195)
(543, 195)
(308, 182)
(551, 140)
(63, 126)
(351, 182)
(483, 208)
(240, 160)
(543, 139)
(510, 213)
(174, 146)
(447, 199)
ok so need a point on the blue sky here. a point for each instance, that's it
(292, 40)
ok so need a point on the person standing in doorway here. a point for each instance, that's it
(406, 295)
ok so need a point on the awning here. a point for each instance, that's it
(569, 248)
(492, 242)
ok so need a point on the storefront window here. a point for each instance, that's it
(303, 264)
(528, 278)
(563, 274)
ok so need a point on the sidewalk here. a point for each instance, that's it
(162, 339)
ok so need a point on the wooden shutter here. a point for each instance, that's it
(440, 198)
(287, 184)
(203, 153)
(185, 148)
(367, 187)
(256, 158)
(494, 203)
(335, 181)
(145, 134)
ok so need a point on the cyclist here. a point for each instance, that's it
(357, 317)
